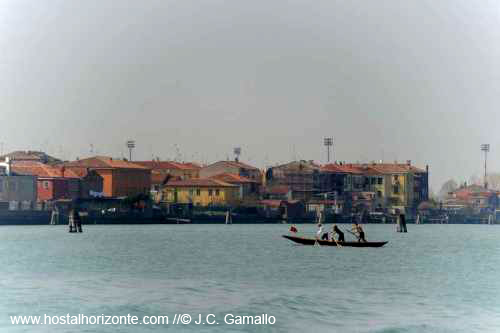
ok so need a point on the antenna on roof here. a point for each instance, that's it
(237, 153)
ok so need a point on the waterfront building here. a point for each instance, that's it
(396, 186)
(232, 167)
(200, 192)
(305, 180)
(471, 199)
(120, 178)
(248, 189)
(53, 183)
(160, 170)
(383, 186)
(16, 187)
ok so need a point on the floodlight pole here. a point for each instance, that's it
(328, 142)
(485, 148)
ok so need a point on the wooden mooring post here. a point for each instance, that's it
(401, 223)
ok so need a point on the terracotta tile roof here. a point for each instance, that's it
(207, 182)
(30, 155)
(277, 189)
(103, 162)
(167, 165)
(236, 164)
(42, 170)
(371, 168)
(385, 168)
(344, 168)
(232, 178)
(158, 177)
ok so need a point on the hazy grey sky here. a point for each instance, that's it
(395, 79)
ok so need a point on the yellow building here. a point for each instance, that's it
(397, 186)
(394, 185)
(201, 192)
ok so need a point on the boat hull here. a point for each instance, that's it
(312, 241)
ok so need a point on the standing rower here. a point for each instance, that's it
(356, 228)
(340, 234)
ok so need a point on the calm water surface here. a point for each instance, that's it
(435, 278)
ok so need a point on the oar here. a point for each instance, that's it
(338, 245)
(352, 233)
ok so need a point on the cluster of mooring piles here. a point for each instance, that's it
(75, 221)
(401, 223)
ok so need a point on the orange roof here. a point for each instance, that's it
(232, 178)
(236, 164)
(277, 189)
(42, 170)
(103, 162)
(372, 168)
(166, 165)
(390, 167)
(158, 177)
(198, 183)
(344, 168)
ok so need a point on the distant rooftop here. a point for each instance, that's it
(168, 165)
(236, 164)
(42, 170)
(104, 162)
(30, 155)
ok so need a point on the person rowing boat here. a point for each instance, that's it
(340, 234)
(359, 232)
(293, 229)
(320, 234)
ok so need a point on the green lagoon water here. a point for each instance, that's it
(435, 278)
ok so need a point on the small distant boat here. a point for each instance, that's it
(177, 220)
(313, 241)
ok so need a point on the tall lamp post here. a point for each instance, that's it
(328, 142)
(130, 146)
(486, 148)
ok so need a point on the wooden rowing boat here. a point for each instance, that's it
(312, 241)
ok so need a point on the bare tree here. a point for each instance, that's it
(449, 186)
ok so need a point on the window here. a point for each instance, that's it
(379, 194)
(198, 192)
(396, 189)
(191, 192)
(217, 192)
(396, 178)
(46, 185)
(1, 185)
(380, 180)
(210, 193)
(373, 181)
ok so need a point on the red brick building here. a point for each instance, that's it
(52, 182)
(120, 178)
